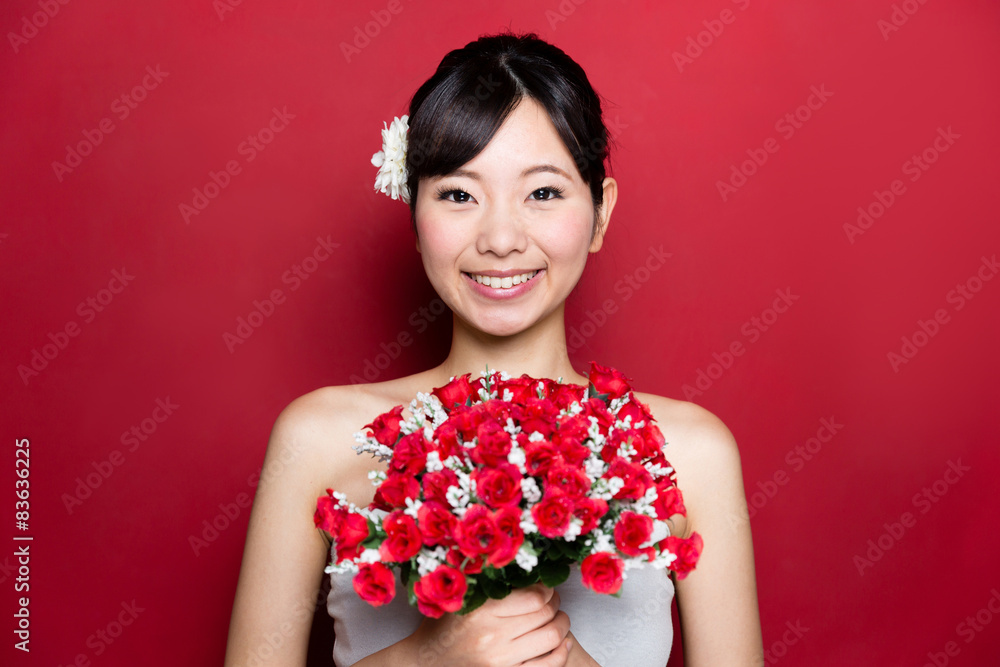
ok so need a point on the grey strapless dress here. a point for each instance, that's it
(634, 630)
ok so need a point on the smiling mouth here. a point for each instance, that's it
(503, 283)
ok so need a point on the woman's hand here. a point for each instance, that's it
(578, 656)
(524, 628)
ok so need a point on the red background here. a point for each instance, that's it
(679, 131)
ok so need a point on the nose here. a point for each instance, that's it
(502, 230)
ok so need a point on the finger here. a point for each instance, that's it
(523, 601)
(541, 640)
(557, 658)
(525, 623)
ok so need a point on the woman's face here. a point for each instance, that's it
(504, 239)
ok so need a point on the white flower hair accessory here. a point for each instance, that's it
(391, 160)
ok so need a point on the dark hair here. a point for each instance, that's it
(456, 112)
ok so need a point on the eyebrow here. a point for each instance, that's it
(537, 169)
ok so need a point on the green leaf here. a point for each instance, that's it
(592, 393)
(518, 578)
(411, 594)
(495, 588)
(405, 570)
(553, 573)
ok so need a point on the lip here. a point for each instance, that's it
(502, 294)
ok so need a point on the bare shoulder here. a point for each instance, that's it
(703, 452)
(691, 431)
(314, 436)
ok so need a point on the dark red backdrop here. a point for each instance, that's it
(863, 386)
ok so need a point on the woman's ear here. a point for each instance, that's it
(610, 187)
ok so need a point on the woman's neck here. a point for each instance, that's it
(539, 351)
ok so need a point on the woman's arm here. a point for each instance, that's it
(285, 554)
(284, 557)
(720, 621)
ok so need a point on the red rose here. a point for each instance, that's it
(552, 514)
(393, 492)
(539, 456)
(467, 564)
(637, 479)
(493, 444)
(536, 415)
(385, 428)
(436, 522)
(607, 380)
(653, 441)
(589, 511)
(636, 409)
(568, 479)
(446, 441)
(350, 534)
(436, 485)
(497, 409)
(573, 453)
(571, 427)
(477, 532)
(410, 454)
(687, 552)
(375, 584)
(508, 521)
(602, 572)
(521, 388)
(455, 392)
(595, 407)
(498, 487)
(631, 531)
(564, 395)
(669, 501)
(440, 591)
(467, 419)
(403, 539)
(326, 511)
(347, 529)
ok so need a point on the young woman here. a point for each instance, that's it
(505, 178)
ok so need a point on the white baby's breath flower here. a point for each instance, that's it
(376, 477)
(412, 507)
(428, 559)
(346, 566)
(664, 559)
(457, 497)
(528, 523)
(369, 556)
(516, 456)
(391, 160)
(434, 461)
(529, 488)
(573, 530)
(600, 541)
(526, 558)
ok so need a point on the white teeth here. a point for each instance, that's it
(503, 283)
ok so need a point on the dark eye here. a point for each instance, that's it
(546, 194)
(457, 196)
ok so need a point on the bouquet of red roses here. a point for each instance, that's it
(502, 482)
